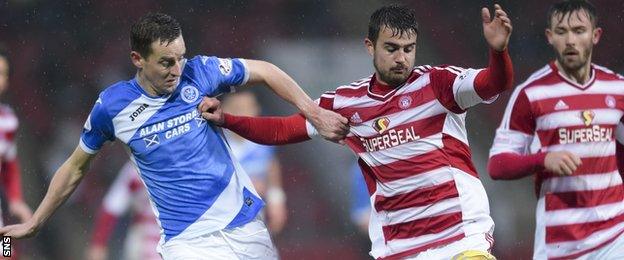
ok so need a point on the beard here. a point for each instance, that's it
(575, 64)
(391, 78)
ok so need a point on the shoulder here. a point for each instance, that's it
(542, 77)
(603, 73)
(117, 96)
(355, 88)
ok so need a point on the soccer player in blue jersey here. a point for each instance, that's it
(204, 202)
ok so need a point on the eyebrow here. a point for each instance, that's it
(394, 45)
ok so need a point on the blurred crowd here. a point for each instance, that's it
(63, 53)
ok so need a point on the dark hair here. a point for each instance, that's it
(150, 28)
(400, 19)
(570, 6)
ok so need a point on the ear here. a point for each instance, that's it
(597, 33)
(137, 60)
(548, 34)
(370, 46)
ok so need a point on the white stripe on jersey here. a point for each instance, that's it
(365, 101)
(402, 152)
(414, 182)
(582, 182)
(598, 149)
(441, 207)
(572, 118)
(563, 89)
(582, 215)
(124, 128)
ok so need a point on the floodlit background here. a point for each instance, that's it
(64, 52)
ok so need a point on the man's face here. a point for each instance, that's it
(163, 66)
(4, 74)
(393, 56)
(573, 37)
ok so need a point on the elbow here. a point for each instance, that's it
(494, 169)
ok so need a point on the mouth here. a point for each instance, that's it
(398, 70)
(570, 53)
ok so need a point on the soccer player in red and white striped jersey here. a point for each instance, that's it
(407, 126)
(561, 125)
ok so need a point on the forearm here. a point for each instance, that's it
(283, 85)
(63, 184)
(511, 166)
(268, 130)
(497, 77)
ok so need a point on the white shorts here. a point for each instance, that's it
(479, 242)
(250, 241)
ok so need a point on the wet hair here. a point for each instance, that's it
(400, 19)
(150, 28)
(563, 8)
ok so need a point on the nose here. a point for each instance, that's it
(570, 39)
(401, 57)
(176, 69)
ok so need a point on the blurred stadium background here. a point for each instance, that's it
(64, 52)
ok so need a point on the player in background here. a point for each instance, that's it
(259, 161)
(408, 130)
(9, 164)
(569, 111)
(360, 200)
(205, 204)
(127, 193)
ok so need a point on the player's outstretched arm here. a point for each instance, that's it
(62, 185)
(497, 29)
(330, 125)
(261, 130)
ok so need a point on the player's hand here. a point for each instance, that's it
(210, 109)
(20, 210)
(24, 230)
(562, 163)
(97, 253)
(329, 124)
(497, 29)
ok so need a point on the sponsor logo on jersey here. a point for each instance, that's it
(189, 94)
(610, 101)
(405, 102)
(138, 111)
(225, 66)
(588, 117)
(381, 124)
(391, 138)
(595, 133)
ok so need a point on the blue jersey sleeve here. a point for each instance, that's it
(360, 199)
(219, 75)
(97, 129)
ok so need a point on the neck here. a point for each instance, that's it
(580, 76)
(146, 84)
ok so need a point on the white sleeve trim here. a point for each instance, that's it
(464, 92)
(312, 132)
(246, 77)
(85, 148)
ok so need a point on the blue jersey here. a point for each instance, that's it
(255, 158)
(194, 184)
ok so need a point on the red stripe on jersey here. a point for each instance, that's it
(459, 154)
(584, 199)
(576, 255)
(574, 232)
(353, 91)
(423, 128)
(416, 250)
(405, 168)
(575, 102)
(423, 226)
(551, 136)
(392, 106)
(417, 198)
(590, 165)
(369, 176)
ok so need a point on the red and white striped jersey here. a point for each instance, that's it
(413, 151)
(8, 128)
(580, 213)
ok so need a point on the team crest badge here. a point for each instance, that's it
(189, 94)
(405, 102)
(381, 124)
(588, 117)
(225, 66)
(610, 101)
